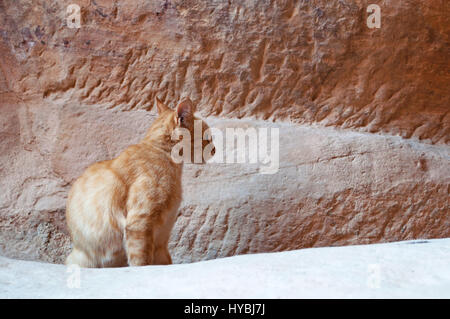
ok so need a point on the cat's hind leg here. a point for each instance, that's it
(162, 235)
(139, 239)
(162, 256)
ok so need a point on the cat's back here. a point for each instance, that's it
(136, 172)
(135, 162)
(142, 160)
(151, 176)
(105, 175)
(98, 189)
(98, 175)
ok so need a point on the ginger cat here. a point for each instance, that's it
(121, 212)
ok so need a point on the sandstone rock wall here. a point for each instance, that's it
(70, 97)
(333, 187)
(307, 61)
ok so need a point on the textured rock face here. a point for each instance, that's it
(70, 97)
(332, 188)
(309, 61)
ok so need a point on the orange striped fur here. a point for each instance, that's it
(120, 212)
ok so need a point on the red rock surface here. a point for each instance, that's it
(69, 97)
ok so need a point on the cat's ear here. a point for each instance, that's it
(185, 111)
(160, 106)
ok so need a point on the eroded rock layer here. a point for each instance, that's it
(332, 187)
(307, 61)
(70, 97)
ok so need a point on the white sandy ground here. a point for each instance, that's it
(409, 269)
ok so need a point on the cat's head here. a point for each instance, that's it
(181, 124)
